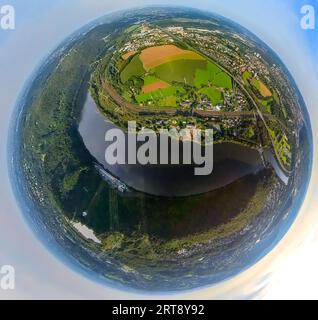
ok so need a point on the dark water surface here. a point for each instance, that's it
(231, 162)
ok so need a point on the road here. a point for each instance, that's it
(120, 101)
(248, 94)
(142, 111)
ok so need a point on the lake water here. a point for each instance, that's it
(231, 162)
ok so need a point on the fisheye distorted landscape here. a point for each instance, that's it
(160, 227)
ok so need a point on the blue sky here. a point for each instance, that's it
(40, 26)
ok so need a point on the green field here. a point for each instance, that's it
(246, 76)
(134, 68)
(182, 71)
(163, 96)
(256, 84)
(170, 101)
(212, 75)
(150, 79)
(282, 146)
(267, 105)
(213, 94)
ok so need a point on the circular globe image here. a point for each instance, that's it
(161, 149)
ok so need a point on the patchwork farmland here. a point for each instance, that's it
(168, 76)
(182, 77)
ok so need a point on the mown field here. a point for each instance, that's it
(163, 97)
(212, 75)
(182, 71)
(213, 94)
(134, 68)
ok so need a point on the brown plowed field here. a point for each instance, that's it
(155, 86)
(156, 56)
